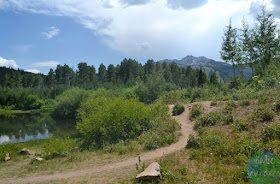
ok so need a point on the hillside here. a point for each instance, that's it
(222, 69)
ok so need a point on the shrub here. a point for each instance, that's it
(213, 103)
(228, 119)
(210, 119)
(178, 109)
(240, 176)
(68, 103)
(59, 146)
(271, 132)
(244, 103)
(230, 105)
(277, 107)
(264, 114)
(196, 111)
(10, 148)
(108, 120)
(33, 102)
(194, 142)
(242, 125)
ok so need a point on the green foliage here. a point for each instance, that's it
(151, 90)
(271, 132)
(264, 114)
(178, 109)
(214, 78)
(254, 48)
(33, 102)
(228, 119)
(244, 103)
(10, 148)
(277, 107)
(209, 119)
(196, 111)
(173, 97)
(194, 142)
(236, 83)
(59, 147)
(230, 105)
(230, 52)
(240, 175)
(153, 140)
(242, 125)
(108, 120)
(163, 129)
(214, 103)
(68, 103)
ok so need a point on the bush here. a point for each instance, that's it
(178, 109)
(242, 125)
(209, 119)
(10, 148)
(108, 120)
(196, 111)
(33, 102)
(244, 103)
(277, 107)
(264, 114)
(68, 103)
(213, 103)
(271, 132)
(194, 142)
(228, 119)
(153, 140)
(230, 105)
(55, 147)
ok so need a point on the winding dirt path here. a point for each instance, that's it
(186, 130)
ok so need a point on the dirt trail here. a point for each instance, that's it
(186, 130)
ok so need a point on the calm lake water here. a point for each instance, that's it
(30, 126)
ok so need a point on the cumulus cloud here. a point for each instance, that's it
(156, 29)
(52, 31)
(33, 71)
(8, 63)
(186, 4)
(45, 64)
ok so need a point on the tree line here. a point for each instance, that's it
(128, 73)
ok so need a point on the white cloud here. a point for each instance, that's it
(33, 71)
(45, 64)
(8, 63)
(52, 31)
(156, 28)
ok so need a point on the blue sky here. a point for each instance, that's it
(36, 35)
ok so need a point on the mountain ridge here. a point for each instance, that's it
(224, 70)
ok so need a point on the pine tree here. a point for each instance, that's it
(230, 50)
(265, 39)
(214, 78)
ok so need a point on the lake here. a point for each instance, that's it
(23, 127)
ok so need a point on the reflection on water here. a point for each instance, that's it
(25, 127)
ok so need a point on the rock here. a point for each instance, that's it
(25, 151)
(7, 157)
(38, 154)
(39, 159)
(151, 172)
